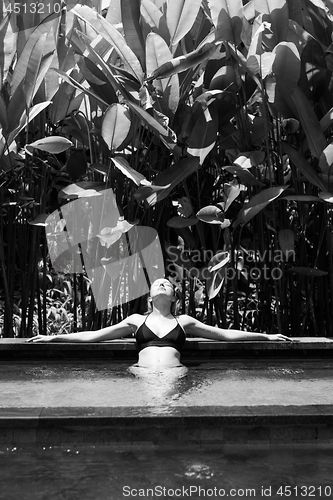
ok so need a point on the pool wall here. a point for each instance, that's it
(203, 426)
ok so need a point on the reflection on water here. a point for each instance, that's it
(222, 383)
(162, 386)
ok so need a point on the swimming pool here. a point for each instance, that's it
(100, 383)
(83, 428)
(105, 472)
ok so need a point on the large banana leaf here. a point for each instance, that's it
(47, 26)
(182, 63)
(169, 178)
(111, 34)
(116, 125)
(7, 48)
(257, 203)
(165, 135)
(180, 17)
(69, 79)
(130, 14)
(32, 76)
(52, 144)
(227, 18)
(287, 66)
(153, 20)
(157, 53)
(278, 15)
(97, 80)
(97, 59)
(310, 123)
(25, 119)
(204, 134)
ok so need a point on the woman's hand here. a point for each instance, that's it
(278, 336)
(41, 338)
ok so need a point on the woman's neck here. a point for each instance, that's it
(161, 310)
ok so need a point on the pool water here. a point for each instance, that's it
(220, 383)
(103, 472)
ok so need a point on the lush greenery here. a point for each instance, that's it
(211, 120)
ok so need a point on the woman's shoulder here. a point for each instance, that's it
(184, 319)
(136, 319)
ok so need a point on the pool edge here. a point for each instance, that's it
(184, 426)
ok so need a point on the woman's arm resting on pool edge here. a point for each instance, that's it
(113, 332)
(199, 329)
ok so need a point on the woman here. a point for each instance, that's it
(159, 336)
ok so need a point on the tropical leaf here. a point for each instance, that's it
(180, 18)
(170, 178)
(53, 144)
(130, 14)
(226, 78)
(33, 69)
(97, 59)
(3, 113)
(182, 222)
(326, 160)
(218, 261)
(155, 20)
(211, 214)
(83, 189)
(328, 197)
(204, 134)
(49, 26)
(182, 63)
(287, 66)
(105, 29)
(244, 175)
(257, 203)
(248, 159)
(26, 118)
(279, 16)
(113, 15)
(166, 135)
(286, 239)
(146, 191)
(69, 79)
(300, 162)
(125, 168)
(232, 192)
(116, 125)
(40, 220)
(227, 17)
(214, 283)
(310, 123)
(97, 80)
(157, 53)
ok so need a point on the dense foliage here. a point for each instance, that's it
(211, 120)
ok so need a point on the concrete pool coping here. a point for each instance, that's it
(17, 348)
(211, 425)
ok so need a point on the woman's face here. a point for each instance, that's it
(162, 287)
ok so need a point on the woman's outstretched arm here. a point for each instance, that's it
(122, 329)
(195, 327)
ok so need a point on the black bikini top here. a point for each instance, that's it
(145, 337)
